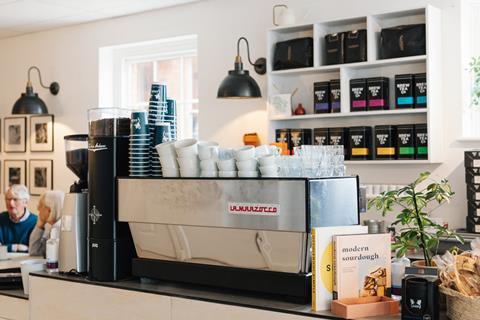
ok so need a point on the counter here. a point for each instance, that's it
(131, 299)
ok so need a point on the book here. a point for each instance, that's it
(322, 263)
(362, 265)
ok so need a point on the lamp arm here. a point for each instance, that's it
(248, 50)
(54, 86)
(39, 76)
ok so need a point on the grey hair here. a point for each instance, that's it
(53, 199)
(20, 191)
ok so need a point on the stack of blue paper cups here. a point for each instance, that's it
(171, 117)
(139, 149)
(156, 110)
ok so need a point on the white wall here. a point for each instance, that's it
(70, 56)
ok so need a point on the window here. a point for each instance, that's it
(170, 61)
(470, 17)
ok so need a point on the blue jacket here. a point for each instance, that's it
(16, 233)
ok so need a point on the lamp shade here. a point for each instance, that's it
(29, 103)
(238, 84)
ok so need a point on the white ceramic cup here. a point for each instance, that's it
(169, 161)
(267, 160)
(166, 148)
(186, 148)
(247, 165)
(248, 174)
(265, 149)
(271, 171)
(189, 163)
(208, 165)
(226, 165)
(170, 172)
(209, 174)
(245, 153)
(3, 252)
(28, 266)
(207, 150)
(227, 174)
(191, 172)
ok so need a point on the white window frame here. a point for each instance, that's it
(114, 63)
(470, 23)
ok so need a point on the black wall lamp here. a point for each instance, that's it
(29, 102)
(238, 83)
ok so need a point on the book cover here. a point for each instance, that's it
(362, 265)
(322, 263)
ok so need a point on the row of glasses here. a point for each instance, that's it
(313, 162)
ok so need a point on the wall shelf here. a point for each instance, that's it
(351, 114)
(302, 79)
(373, 162)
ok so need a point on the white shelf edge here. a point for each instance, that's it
(354, 65)
(351, 114)
(373, 162)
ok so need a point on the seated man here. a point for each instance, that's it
(18, 222)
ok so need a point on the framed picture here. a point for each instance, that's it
(41, 133)
(41, 176)
(14, 134)
(280, 105)
(14, 173)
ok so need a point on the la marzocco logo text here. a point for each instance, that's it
(97, 147)
(259, 209)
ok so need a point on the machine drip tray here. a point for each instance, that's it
(294, 287)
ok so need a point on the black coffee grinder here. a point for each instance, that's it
(110, 246)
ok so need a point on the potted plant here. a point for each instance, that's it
(416, 202)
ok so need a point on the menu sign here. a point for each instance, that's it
(254, 209)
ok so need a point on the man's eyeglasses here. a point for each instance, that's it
(15, 199)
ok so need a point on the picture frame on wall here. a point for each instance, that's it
(15, 131)
(41, 133)
(40, 176)
(14, 173)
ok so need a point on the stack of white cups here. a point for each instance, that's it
(208, 155)
(267, 157)
(167, 155)
(226, 163)
(247, 164)
(187, 152)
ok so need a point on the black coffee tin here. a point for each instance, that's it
(339, 137)
(321, 97)
(334, 52)
(405, 141)
(378, 93)
(420, 84)
(299, 137)
(335, 96)
(358, 95)
(356, 46)
(404, 91)
(385, 142)
(421, 141)
(321, 136)
(360, 142)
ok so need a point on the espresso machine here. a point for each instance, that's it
(110, 245)
(249, 234)
(73, 231)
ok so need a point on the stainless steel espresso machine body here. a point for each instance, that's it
(250, 234)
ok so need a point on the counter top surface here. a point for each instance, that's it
(206, 294)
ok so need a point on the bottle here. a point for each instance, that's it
(398, 272)
(52, 251)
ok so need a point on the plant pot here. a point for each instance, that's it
(421, 264)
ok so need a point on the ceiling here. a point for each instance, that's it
(19, 17)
